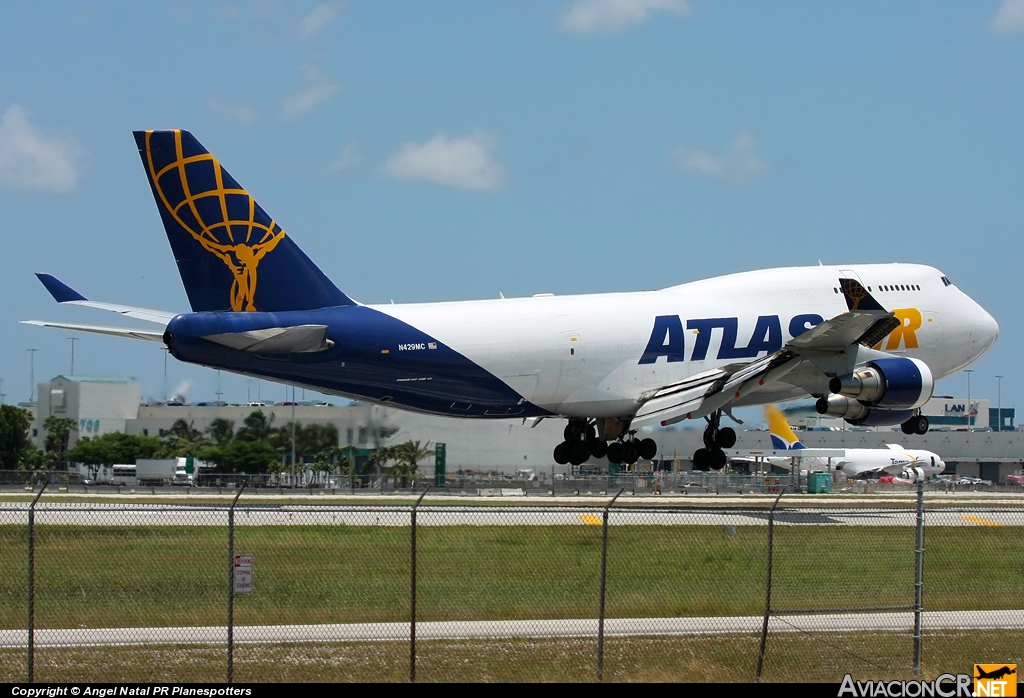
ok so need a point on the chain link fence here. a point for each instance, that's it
(474, 591)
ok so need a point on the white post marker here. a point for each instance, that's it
(243, 574)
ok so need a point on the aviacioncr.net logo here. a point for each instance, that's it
(945, 686)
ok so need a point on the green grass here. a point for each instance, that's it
(719, 658)
(164, 576)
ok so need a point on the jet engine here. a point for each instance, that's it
(857, 413)
(887, 384)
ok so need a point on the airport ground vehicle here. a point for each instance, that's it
(163, 471)
(117, 475)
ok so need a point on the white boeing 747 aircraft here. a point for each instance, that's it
(868, 340)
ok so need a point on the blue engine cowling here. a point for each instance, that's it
(897, 384)
(857, 413)
(883, 418)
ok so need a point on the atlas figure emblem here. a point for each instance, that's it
(211, 217)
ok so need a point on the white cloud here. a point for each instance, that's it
(608, 16)
(318, 18)
(29, 159)
(319, 88)
(740, 163)
(1009, 18)
(466, 162)
(236, 112)
(348, 160)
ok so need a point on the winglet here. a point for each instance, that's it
(857, 297)
(61, 292)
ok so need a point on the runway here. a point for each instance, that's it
(70, 514)
(503, 629)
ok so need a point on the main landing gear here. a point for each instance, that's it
(917, 424)
(582, 442)
(712, 457)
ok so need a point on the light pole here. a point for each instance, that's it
(73, 340)
(970, 420)
(32, 374)
(999, 402)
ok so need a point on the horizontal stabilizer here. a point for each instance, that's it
(299, 339)
(148, 335)
(62, 293)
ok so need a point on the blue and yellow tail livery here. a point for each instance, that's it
(783, 438)
(231, 255)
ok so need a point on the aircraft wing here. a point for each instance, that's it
(865, 323)
(149, 335)
(64, 294)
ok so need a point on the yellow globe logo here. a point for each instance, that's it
(207, 202)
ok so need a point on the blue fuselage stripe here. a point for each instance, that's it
(366, 361)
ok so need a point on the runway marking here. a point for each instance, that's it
(590, 520)
(983, 522)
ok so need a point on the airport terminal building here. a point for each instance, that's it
(969, 444)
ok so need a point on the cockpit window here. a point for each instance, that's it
(946, 281)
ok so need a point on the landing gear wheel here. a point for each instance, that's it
(908, 426)
(717, 459)
(630, 452)
(920, 424)
(562, 453)
(726, 438)
(648, 449)
(702, 460)
(578, 452)
(598, 449)
(614, 452)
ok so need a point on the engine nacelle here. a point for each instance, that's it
(888, 384)
(883, 418)
(857, 413)
(841, 406)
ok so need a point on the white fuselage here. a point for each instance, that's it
(888, 461)
(583, 355)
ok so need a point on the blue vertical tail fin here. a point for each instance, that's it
(231, 255)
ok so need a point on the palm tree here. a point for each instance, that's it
(58, 433)
(408, 456)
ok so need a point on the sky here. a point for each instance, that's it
(458, 150)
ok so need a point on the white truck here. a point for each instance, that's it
(163, 471)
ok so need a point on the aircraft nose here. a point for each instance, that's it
(988, 330)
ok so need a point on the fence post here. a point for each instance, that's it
(231, 584)
(919, 580)
(767, 587)
(412, 589)
(32, 582)
(604, 567)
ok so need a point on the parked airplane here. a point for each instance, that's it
(855, 462)
(868, 340)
